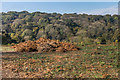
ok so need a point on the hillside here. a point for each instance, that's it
(75, 28)
(52, 45)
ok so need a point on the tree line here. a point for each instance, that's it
(21, 26)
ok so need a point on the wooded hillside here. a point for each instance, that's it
(81, 28)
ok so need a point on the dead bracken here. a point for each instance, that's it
(44, 45)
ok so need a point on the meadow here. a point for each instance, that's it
(91, 61)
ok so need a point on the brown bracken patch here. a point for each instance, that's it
(44, 45)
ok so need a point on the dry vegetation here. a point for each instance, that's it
(44, 45)
(92, 61)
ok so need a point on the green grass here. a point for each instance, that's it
(4, 48)
(92, 61)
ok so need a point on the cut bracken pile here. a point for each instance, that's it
(44, 45)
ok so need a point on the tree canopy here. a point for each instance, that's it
(21, 26)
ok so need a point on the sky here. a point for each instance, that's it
(99, 8)
(60, 0)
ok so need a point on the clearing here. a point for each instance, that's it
(92, 61)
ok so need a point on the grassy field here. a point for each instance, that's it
(5, 48)
(92, 61)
